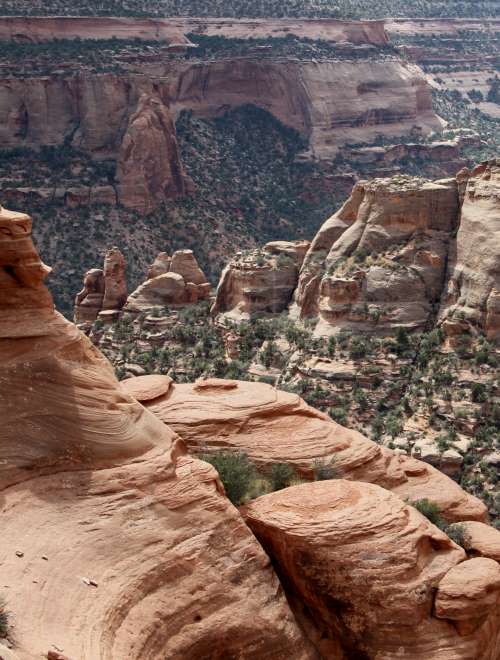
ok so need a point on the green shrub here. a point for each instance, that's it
(324, 470)
(236, 472)
(430, 510)
(458, 534)
(281, 475)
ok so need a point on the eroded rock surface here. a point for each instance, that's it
(261, 281)
(361, 567)
(380, 261)
(272, 426)
(175, 281)
(115, 543)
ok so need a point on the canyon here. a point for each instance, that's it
(177, 571)
(272, 430)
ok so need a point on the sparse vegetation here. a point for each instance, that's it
(236, 471)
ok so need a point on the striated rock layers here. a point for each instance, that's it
(272, 426)
(473, 290)
(262, 281)
(175, 281)
(380, 261)
(114, 543)
(369, 577)
(330, 103)
(405, 252)
(174, 29)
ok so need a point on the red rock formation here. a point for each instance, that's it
(114, 543)
(176, 281)
(115, 284)
(88, 303)
(473, 290)
(41, 28)
(260, 281)
(380, 261)
(149, 169)
(272, 426)
(360, 568)
(330, 103)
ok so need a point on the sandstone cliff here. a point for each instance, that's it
(330, 103)
(261, 281)
(138, 131)
(173, 30)
(115, 544)
(473, 289)
(380, 261)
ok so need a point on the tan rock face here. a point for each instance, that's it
(160, 266)
(176, 281)
(115, 283)
(149, 170)
(88, 303)
(174, 29)
(473, 290)
(261, 281)
(380, 261)
(361, 567)
(469, 594)
(273, 427)
(184, 263)
(125, 546)
(331, 103)
(482, 540)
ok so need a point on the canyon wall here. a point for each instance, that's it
(173, 30)
(402, 252)
(330, 103)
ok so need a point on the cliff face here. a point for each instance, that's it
(369, 577)
(330, 103)
(406, 252)
(138, 130)
(473, 289)
(380, 261)
(17, 28)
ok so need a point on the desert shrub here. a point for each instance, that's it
(458, 534)
(4, 619)
(281, 475)
(430, 510)
(236, 472)
(324, 470)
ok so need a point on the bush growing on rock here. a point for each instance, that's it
(324, 470)
(236, 471)
(430, 510)
(281, 475)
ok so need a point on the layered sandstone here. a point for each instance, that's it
(115, 543)
(261, 281)
(361, 567)
(272, 426)
(380, 261)
(329, 102)
(173, 30)
(138, 131)
(175, 281)
(473, 289)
